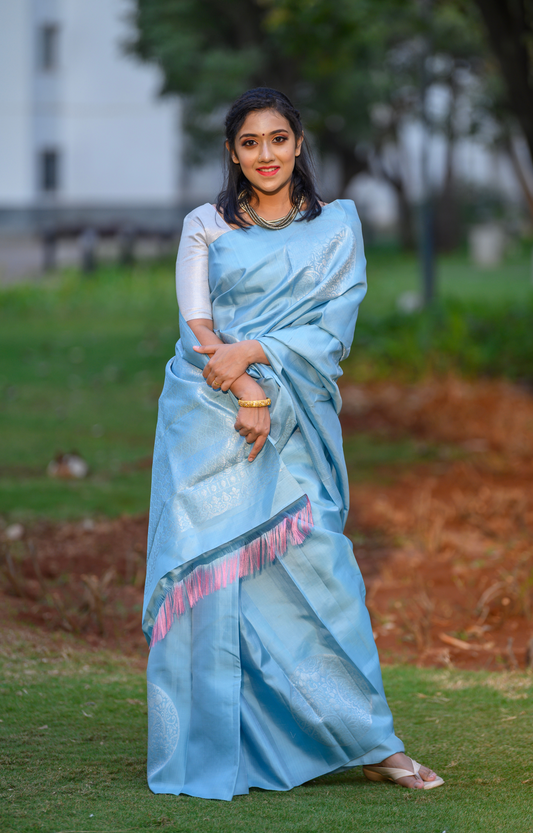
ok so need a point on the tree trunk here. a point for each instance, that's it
(351, 166)
(519, 173)
(509, 30)
(406, 228)
(447, 220)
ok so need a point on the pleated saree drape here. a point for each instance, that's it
(263, 671)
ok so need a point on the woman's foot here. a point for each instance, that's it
(420, 780)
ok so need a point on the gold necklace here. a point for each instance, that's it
(283, 222)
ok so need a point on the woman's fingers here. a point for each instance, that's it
(209, 349)
(210, 375)
(258, 445)
(254, 426)
(227, 363)
(218, 384)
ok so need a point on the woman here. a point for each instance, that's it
(263, 671)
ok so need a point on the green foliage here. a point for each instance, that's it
(454, 337)
(481, 326)
(337, 60)
(73, 756)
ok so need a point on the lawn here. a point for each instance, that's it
(81, 368)
(392, 274)
(73, 730)
(82, 361)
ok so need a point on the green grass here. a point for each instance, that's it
(82, 363)
(391, 274)
(367, 454)
(81, 368)
(480, 325)
(73, 740)
(469, 339)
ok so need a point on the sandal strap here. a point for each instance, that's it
(395, 772)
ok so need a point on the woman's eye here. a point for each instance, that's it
(280, 139)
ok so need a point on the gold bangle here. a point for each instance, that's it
(254, 403)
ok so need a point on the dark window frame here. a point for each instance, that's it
(48, 47)
(49, 170)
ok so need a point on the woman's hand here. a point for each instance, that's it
(252, 423)
(229, 361)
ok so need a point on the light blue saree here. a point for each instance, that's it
(263, 670)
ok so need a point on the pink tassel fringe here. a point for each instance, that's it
(206, 579)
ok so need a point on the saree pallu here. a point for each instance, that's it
(263, 670)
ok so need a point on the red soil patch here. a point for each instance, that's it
(446, 547)
(481, 416)
(453, 579)
(83, 578)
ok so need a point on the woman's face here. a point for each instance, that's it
(266, 148)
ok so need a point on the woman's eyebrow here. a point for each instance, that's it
(255, 135)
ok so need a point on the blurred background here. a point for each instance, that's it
(111, 116)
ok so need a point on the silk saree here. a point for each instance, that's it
(263, 671)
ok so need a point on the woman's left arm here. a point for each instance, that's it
(228, 361)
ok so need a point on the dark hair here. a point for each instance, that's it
(303, 177)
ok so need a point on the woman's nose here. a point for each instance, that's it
(265, 152)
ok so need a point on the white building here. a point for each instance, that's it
(82, 130)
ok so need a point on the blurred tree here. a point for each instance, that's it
(353, 67)
(509, 27)
(209, 53)
(359, 83)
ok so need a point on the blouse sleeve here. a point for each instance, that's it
(192, 284)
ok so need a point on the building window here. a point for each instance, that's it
(48, 47)
(49, 171)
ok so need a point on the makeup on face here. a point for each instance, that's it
(266, 149)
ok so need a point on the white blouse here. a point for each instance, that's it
(200, 228)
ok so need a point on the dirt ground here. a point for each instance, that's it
(445, 544)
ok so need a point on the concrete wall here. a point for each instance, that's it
(120, 139)
(16, 116)
(118, 143)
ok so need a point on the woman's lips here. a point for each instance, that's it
(267, 171)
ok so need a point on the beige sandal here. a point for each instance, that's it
(392, 773)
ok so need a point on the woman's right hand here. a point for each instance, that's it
(252, 423)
